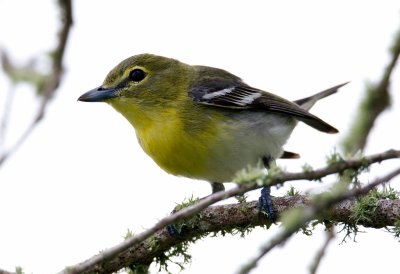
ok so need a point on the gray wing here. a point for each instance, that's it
(233, 93)
(308, 102)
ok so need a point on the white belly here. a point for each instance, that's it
(244, 140)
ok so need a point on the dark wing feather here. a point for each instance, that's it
(308, 102)
(219, 92)
(290, 155)
(233, 93)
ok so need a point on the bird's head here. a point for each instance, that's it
(141, 85)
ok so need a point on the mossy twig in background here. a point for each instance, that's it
(46, 84)
(376, 100)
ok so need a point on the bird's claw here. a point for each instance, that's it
(265, 204)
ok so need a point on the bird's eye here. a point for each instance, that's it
(137, 75)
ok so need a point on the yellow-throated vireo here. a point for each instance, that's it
(202, 122)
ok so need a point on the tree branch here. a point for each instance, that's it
(317, 208)
(376, 100)
(231, 216)
(2, 271)
(52, 80)
(125, 254)
(320, 254)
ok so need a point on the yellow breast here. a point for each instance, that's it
(203, 143)
(174, 147)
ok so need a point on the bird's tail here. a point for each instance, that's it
(307, 103)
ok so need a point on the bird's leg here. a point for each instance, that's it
(173, 232)
(264, 202)
(217, 187)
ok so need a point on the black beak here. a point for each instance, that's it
(99, 94)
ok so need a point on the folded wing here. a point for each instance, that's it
(233, 93)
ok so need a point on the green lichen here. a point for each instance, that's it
(244, 208)
(351, 231)
(307, 168)
(293, 192)
(137, 269)
(309, 227)
(258, 175)
(241, 231)
(387, 192)
(241, 198)
(307, 230)
(292, 218)
(273, 172)
(19, 270)
(396, 230)
(364, 209)
(350, 176)
(334, 158)
(187, 222)
(129, 234)
(177, 255)
(153, 242)
(186, 203)
(251, 174)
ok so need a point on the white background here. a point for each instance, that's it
(81, 180)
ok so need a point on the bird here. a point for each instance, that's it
(203, 122)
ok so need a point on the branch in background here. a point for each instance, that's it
(5, 117)
(6, 272)
(239, 216)
(310, 212)
(46, 84)
(376, 100)
(120, 256)
(330, 234)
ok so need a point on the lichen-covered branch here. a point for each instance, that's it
(156, 239)
(376, 100)
(237, 217)
(324, 208)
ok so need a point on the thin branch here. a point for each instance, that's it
(110, 259)
(239, 216)
(376, 100)
(5, 117)
(338, 167)
(2, 271)
(310, 213)
(320, 254)
(58, 55)
(53, 80)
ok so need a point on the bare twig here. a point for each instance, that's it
(5, 117)
(310, 213)
(106, 260)
(320, 253)
(376, 100)
(53, 79)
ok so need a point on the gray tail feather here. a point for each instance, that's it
(307, 103)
